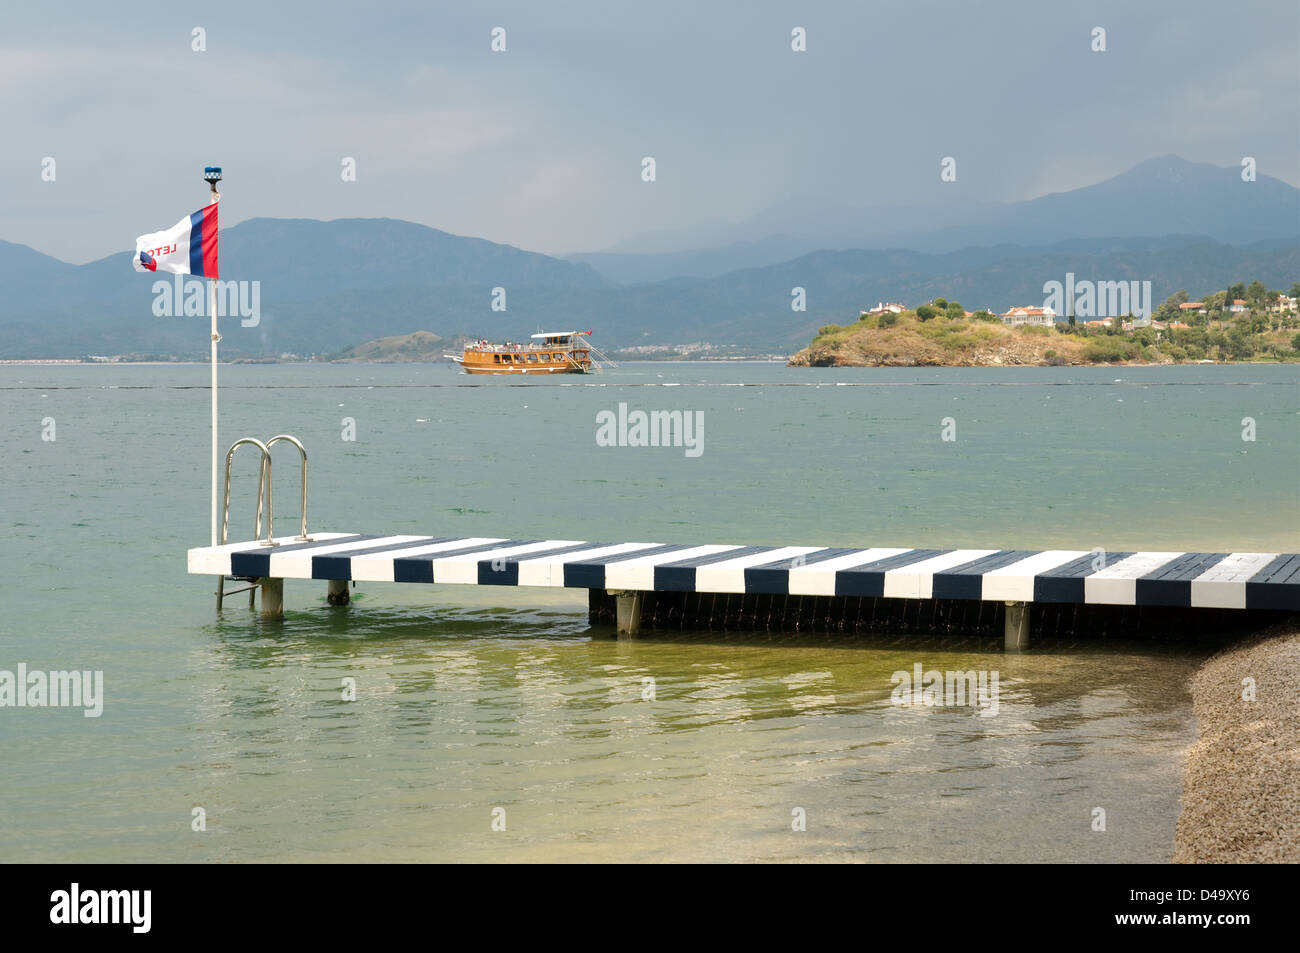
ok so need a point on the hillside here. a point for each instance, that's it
(911, 340)
(419, 347)
(325, 286)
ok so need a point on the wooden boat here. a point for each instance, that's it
(550, 352)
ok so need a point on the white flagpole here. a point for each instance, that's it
(212, 175)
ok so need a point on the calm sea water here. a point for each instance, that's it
(470, 700)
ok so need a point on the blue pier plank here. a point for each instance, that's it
(420, 568)
(1276, 586)
(590, 574)
(1065, 583)
(680, 576)
(774, 578)
(1171, 584)
(257, 561)
(868, 580)
(339, 565)
(967, 580)
(505, 572)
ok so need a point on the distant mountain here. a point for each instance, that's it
(750, 308)
(754, 306)
(419, 347)
(326, 286)
(1185, 197)
(1163, 195)
(317, 285)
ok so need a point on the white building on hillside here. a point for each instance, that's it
(885, 307)
(1043, 317)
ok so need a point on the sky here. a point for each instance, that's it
(542, 145)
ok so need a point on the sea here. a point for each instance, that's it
(468, 724)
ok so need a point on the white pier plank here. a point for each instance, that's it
(818, 579)
(1117, 585)
(1223, 585)
(729, 575)
(464, 569)
(378, 567)
(549, 570)
(640, 573)
(1015, 583)
(916, 581)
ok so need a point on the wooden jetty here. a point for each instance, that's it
(629, 576)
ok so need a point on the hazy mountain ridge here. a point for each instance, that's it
(328, 286)
(1164, 195)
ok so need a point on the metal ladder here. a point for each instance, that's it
(263, 498)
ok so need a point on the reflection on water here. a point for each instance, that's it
(667, 747)
(695, 747)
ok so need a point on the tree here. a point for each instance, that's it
(1235, 292)
(1295, 290)
(925, 312)
(1255, 293)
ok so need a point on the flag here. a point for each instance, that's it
(187, 248)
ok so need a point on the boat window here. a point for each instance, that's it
(496, 358)
(532, 358)
(546, 357)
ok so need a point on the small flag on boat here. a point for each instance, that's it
(187, 248)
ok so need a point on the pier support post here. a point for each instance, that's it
(338, 593)
(627, 610)
(272, 598)
(1015, 630)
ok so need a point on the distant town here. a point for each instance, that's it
(1240, 323)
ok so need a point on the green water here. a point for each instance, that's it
(473, 699)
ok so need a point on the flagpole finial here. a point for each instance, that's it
(212, 175)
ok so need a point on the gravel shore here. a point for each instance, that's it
(1241, 782)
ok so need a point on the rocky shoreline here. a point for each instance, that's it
(1241, 779)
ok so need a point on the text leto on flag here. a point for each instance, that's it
(187, 248)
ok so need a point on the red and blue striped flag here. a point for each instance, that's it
(187, 248)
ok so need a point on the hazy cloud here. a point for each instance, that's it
(540, 146)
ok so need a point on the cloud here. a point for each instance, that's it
(540, 146)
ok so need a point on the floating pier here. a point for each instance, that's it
(635, 584)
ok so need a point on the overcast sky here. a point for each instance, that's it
(541, 145)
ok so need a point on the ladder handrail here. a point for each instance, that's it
(302, 525)
(263, 489)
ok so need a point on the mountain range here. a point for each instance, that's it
(327, 286)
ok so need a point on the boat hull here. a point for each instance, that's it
(527, 360)
(534, 371)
